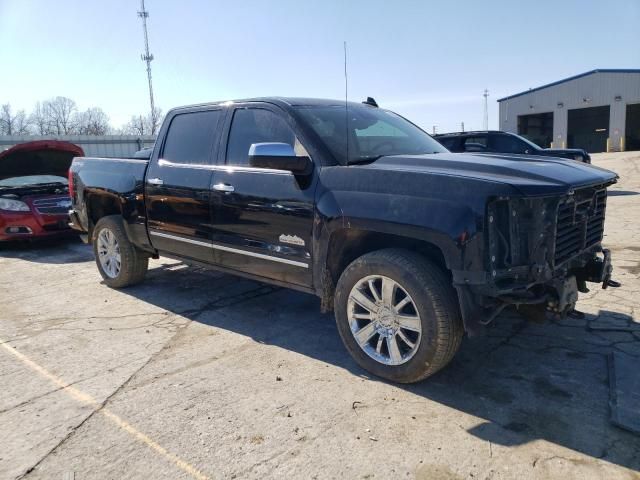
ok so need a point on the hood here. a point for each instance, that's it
(571, 151)
(528, 174)
(44, 157)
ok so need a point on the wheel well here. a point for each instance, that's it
(348, 244)
(99, 206)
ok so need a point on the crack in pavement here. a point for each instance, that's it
(100, 407)
(67, 385)
(194, 313)
(224, 302)
(38, 397)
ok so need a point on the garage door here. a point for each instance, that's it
(632, 131)
(588, 128)
(537, 127)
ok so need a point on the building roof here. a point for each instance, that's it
(591, 72)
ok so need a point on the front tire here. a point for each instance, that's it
(119, 262)
(397, 315)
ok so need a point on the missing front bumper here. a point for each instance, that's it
(482, 301)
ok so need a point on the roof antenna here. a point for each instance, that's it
(371, 101)
(346, 99)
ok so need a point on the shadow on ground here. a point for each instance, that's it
(621, 193)
(65, 249)
(527, 381)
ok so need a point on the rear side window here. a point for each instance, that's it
(507, 144)
(476, 143)
(190, 137)
(257, 125)
(479, 140)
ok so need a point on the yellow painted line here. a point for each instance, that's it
(87, 399)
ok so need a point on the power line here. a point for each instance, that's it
(147, 57)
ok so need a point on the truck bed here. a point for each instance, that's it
(109, 186)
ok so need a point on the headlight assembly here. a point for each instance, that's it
(13, 205)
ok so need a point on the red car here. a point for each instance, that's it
(34, 192)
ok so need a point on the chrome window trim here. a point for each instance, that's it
(223, 168)
(215, 246)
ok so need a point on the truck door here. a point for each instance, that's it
(178, 183)
(262, 218)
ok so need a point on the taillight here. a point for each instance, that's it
(71, 190)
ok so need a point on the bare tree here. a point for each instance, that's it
(144, 125)
(11, 124)
(92, 121)
(155, 120)
(61, 115)
(40, 119)
(135, 126)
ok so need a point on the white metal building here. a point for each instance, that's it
(597, 110)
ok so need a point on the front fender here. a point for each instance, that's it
(452, 227)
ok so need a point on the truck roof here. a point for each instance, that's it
(282, 101)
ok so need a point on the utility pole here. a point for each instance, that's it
(434, 129)
(486, 109)
(462, 126)
(148, 57)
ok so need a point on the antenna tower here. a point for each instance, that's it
(147, 57)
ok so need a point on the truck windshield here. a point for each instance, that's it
(371, 133)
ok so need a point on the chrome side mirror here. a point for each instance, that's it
(278, 156)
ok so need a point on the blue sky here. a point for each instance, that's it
(428, 60)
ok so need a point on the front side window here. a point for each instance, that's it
(450, 143)
(190, 137)
(257, 125)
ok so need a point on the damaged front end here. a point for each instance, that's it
(540, 253)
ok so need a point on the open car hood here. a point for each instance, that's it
(43, 157)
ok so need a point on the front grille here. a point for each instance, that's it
(580, 222)
(52, 206)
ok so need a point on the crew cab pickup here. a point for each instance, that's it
(410, 245)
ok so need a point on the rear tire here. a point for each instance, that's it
(410, 326)
(119, 262)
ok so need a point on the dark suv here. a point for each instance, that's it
(505, 142)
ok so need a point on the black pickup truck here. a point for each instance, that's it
(410, 245)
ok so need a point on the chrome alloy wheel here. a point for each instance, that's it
(384, 320)
(109, 253)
